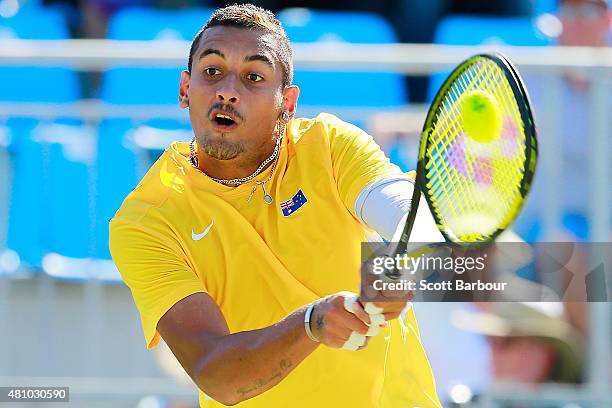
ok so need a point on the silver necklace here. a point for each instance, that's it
(266, 197)
(193, 158)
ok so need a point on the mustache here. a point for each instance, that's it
(225, 108)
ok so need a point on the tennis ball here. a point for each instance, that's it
(480, 116)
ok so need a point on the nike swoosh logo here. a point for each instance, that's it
(197, 237)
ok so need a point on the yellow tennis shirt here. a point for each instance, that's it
(179, 233)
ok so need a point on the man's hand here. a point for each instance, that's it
(333, 325)
(382, 304)
(386, 303)
(388, 309)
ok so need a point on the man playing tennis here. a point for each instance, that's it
(237, 247)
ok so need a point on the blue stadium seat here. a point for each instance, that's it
(42, 84)
(335, 89)
(134, 85)
(545, 6)
(492, 31)
(122, 156)
(24, 228)
(38, 200)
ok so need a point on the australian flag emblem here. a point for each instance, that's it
(292, 205)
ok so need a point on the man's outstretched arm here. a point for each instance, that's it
(234, 367)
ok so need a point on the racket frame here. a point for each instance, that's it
(523, 103)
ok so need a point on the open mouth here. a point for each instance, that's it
(223, 120)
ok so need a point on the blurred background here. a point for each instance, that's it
(88, 101)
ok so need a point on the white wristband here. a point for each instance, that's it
(307, 323)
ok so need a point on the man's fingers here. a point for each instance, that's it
(347, 340)
(372, 309)
(395, 314)
(365, 345)
(385, 311)
(375, 321)
(355, 324)
(396, 295)
(335, 341)
(348, 325)
(378, 319)
(373, 330)
(391, 316)
(350, 299)
(354, 342)
(346, 322)
(353, 306)
(359, 311)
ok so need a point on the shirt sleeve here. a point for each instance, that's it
(154, 270)
(357, 160)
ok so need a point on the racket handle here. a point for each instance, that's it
(414, 206)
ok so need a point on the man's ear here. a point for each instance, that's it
(290, 98)
(184, 89)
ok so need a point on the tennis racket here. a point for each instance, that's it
(475, 188)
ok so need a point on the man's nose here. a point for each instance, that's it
(227, 92)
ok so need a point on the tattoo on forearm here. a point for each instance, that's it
(260, 383)
(320, 321)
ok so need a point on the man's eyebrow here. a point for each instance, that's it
(209, 51)
(255, 57)
(259, 57)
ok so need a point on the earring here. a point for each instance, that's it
(285, 116)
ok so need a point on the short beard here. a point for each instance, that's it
(222, 149)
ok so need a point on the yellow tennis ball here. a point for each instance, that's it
(481, 116)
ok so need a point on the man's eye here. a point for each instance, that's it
(212, 71)
(254, 77)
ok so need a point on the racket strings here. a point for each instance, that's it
(481, 170)
(509, 147)
(453, 147)
(449, 186)
(465, 178)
